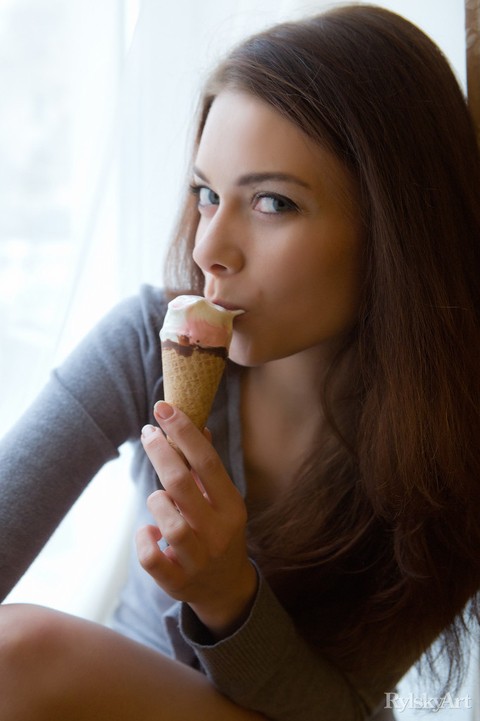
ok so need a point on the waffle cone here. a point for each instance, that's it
(191, 379)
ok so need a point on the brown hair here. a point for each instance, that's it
(383, 524)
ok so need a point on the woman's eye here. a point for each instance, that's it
(205, 196)
(274, 204)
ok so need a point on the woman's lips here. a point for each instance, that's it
(228, 306)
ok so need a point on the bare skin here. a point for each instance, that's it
(281, 417)
(55, 667)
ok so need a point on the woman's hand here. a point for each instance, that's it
(202, 517)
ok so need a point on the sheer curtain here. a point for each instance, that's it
(98, 97)
(61, 73)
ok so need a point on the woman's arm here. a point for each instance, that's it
(94, 402)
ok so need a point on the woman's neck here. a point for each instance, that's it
(282, 419)
(292, 385)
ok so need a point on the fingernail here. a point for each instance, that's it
(148, 430)
(163, 410)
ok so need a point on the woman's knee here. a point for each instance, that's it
(26, 633)
(32, 643)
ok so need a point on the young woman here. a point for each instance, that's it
(334, 199)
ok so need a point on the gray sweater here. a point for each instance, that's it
(98, 400)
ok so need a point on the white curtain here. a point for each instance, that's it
(97, 101)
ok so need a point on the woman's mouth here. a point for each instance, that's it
(233, 307)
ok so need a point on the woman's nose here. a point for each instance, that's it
(217, 249)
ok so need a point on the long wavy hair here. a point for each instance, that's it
(381, 526)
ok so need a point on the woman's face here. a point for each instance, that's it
(279, 233)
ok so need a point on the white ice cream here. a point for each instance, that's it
(194, 320)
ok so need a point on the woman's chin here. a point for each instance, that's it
(244, 354)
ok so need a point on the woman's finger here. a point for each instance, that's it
(208, 434)
(151, 557)
(173, 526)
(175, 477)
(198, 452)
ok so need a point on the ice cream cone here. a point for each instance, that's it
(191, 376)
(195, 339)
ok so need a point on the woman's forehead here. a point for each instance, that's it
(248, 135)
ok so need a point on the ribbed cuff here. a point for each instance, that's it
(245, 661)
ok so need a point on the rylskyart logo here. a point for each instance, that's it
(426, 702)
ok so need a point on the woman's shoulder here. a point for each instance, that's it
(138, 316)
(148, 305)
(153, 299)
(127, 333)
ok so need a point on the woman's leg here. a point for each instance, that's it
(56, 667)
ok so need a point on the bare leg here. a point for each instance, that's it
(54, 666)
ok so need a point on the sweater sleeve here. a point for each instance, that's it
(266, 666)
(93, 403)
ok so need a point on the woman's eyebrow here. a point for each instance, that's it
(253, 178)
(196, 171)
